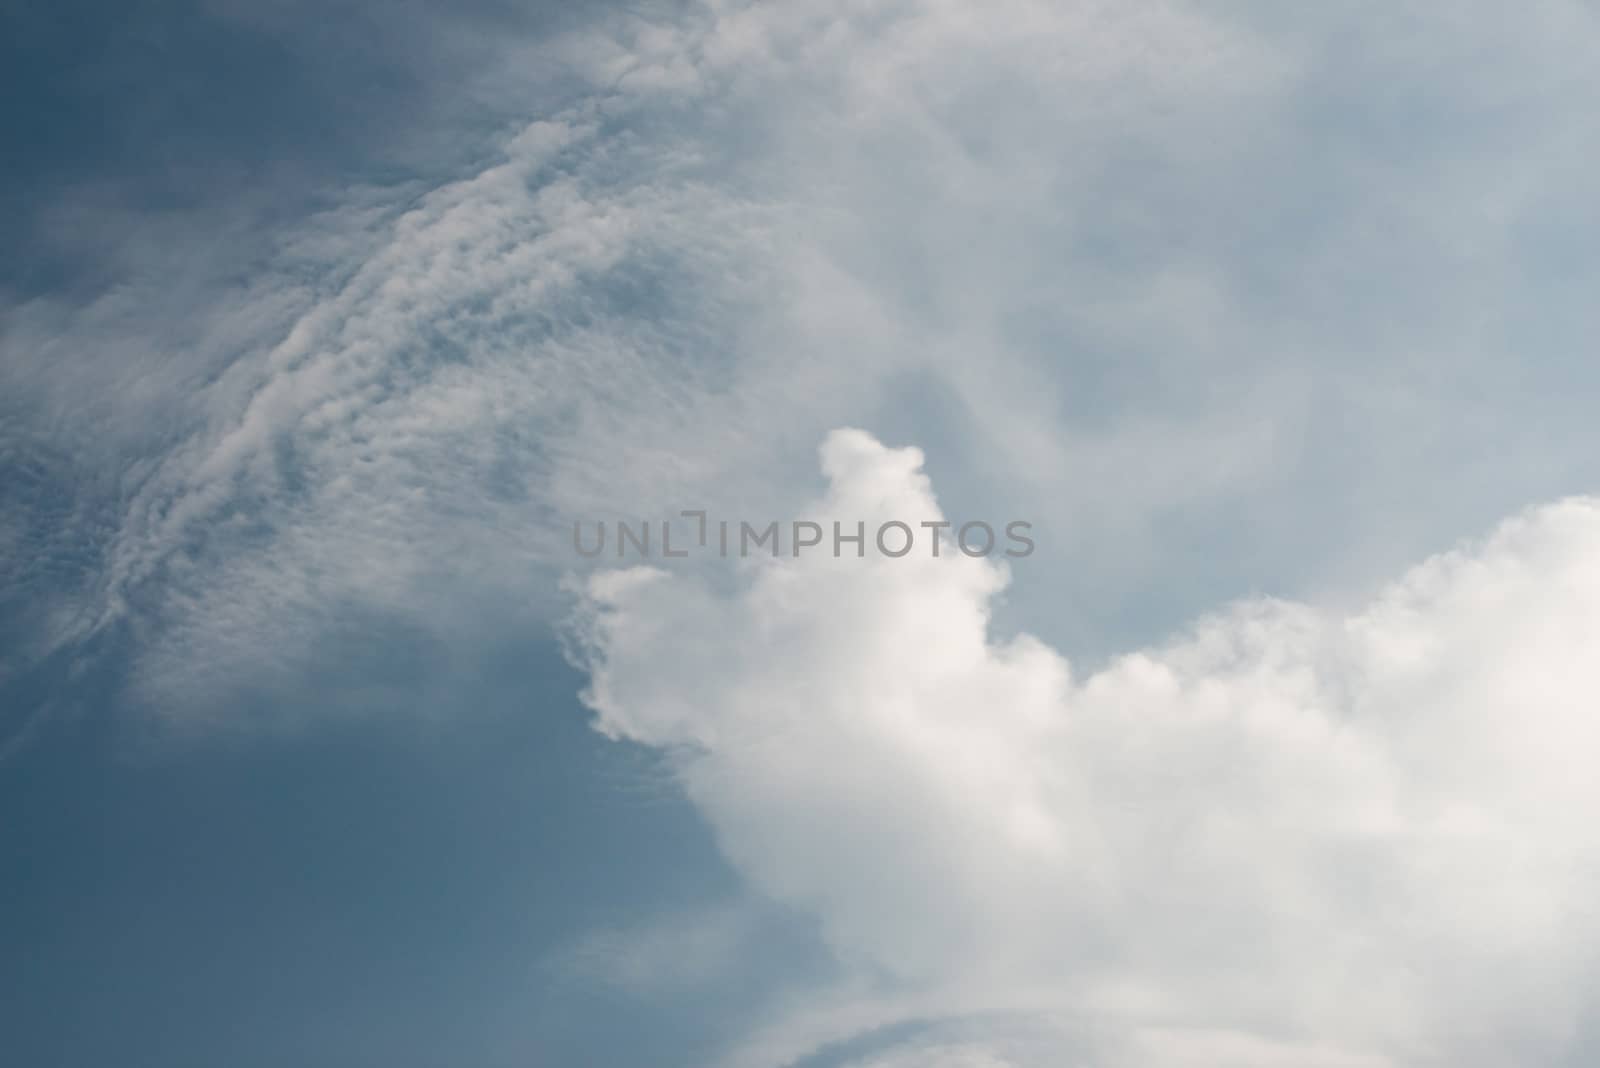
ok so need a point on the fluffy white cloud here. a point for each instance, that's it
(1364, 829)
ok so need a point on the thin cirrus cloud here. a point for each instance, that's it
(1160, 279)
(1292, 834)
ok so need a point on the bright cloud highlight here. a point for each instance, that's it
(1365, 832)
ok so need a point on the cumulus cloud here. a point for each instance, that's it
(1360, 833)
(1222, 299)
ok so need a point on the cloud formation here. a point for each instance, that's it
(1163, 278)
(1362, 834)
(1222, 299)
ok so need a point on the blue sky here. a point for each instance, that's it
(321, 324)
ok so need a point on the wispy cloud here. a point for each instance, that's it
(1164, 278)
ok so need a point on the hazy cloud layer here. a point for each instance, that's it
(1205, 292)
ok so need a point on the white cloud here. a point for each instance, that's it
(1178, 282)
(1366, 830)
(1222, 298)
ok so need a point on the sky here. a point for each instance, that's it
(322, 327)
